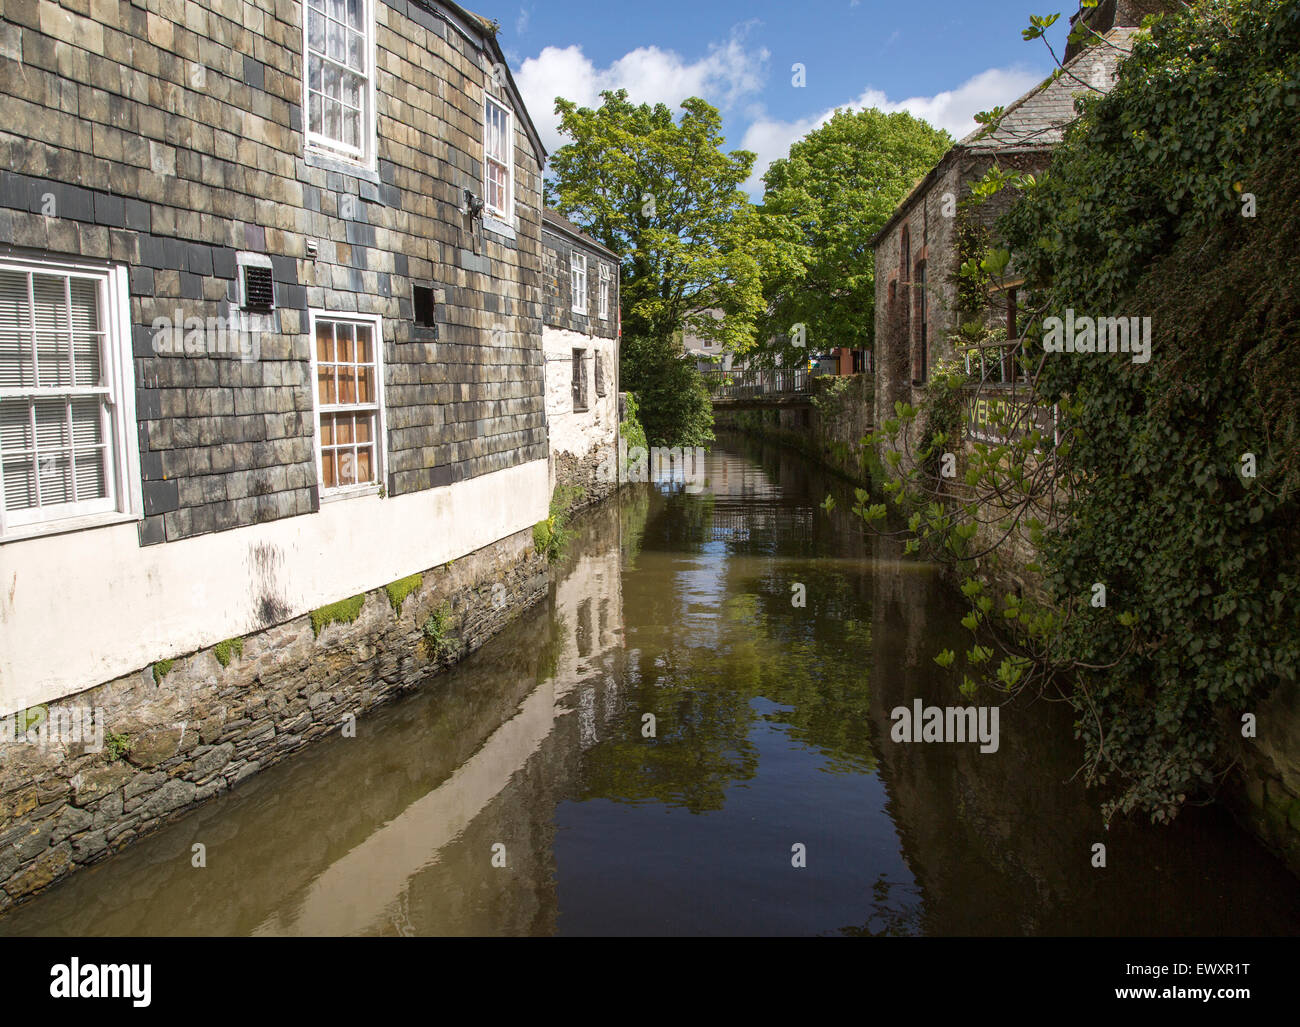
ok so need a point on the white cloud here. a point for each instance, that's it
(521, 21)
(953, 109)
(729, 72)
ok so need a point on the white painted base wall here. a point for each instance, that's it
(82, 608)
(579, 431)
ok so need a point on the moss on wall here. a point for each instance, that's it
(345, 611)
(398, 590)
(228, 650)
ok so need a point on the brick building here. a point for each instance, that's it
(580, 339)
(270, 319)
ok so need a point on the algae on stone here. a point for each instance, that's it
(345, 611)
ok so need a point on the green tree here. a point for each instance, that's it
(672, 402)
(1142, 211)
(821, 206)
(662, 194)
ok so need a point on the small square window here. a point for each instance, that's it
(422, 298)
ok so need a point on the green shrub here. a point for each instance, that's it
(629, 428)
(116, 746)
(673, 402)
(438, 633)
(551, 535)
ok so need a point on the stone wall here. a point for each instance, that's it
(830, 429)
(196, 727)
(582, 442)
(1264, 790)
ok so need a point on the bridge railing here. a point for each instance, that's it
(755, 383)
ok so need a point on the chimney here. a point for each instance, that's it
(1111, 14)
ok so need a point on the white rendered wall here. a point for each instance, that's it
(82, 608)
(579, 432)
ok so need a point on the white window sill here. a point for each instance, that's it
(334, 495)
(497, 227)
(41, 529)
(318, 157)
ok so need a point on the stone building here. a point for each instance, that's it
(270, 341)
(580, 338)
(919, 249)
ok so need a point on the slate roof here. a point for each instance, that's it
(557, 220)
(1039, 117)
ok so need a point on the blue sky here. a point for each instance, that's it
(943, 60)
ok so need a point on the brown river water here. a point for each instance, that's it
(519, 794)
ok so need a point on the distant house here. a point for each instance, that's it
(708, 353)
(843, 360)
(580, 341)
(917, 251)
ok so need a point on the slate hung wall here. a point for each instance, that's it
(255, 257)
(167, 138)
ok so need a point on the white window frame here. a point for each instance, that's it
(577, 271)
(579, 356)
(118, 424)
(505, 215)
(315, 142)
(604, 291)
(376, 322)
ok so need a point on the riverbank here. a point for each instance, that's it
(172, 736)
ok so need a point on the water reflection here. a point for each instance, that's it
(770, 732)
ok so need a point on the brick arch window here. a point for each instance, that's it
(905, 255)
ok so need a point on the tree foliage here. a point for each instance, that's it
(663, 194)
(1142, 213)
(671, 399)
(821, 206)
